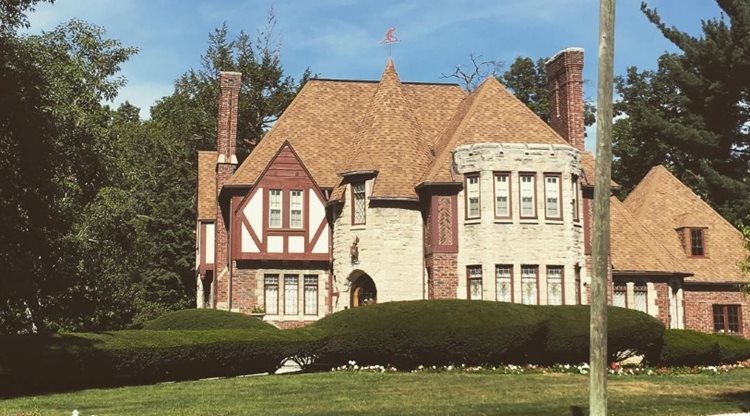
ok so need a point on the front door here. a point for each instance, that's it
(363, 292)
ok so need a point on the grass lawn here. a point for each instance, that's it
(345, 393)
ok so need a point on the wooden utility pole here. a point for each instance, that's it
(600, 243)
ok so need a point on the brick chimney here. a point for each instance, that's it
(565, 83)
(226, 163)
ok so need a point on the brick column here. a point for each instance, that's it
(565, 83)
(226, 163)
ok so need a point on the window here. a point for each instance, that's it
(620, 295)
(576, 208)
(311, 294)
(502, 195)
(274, 209)
(503, 283)
(291, 294)
(271, 294)
(552, 196)
(472, 196)
(640, 297)
(359, 206)
(727, 318)
(696, 242)
(528, 195)
(554, 285)
(474, 276)
(529, 285)
(295, 208)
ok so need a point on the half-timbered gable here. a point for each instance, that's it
(283, 217)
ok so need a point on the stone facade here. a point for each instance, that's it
(389, 250)
(540, 242)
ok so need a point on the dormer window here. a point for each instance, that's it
(697, 243)
(359, 204)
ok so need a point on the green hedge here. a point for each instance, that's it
(408, 334)
(35, 363)
(685, 347)
(205, 319)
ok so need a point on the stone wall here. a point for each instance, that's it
(390, 250)
(487, 241)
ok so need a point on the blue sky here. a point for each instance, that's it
(341, 38)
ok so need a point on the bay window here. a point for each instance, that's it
(503, 283)
(502, 195)
(528, 195)
(529, 285)
(552, 196)
(472, 196)
(554, 285)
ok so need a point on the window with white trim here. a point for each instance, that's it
(576, 208)
(502, 195)
(640, 297)
(474, 280)
(620, 295)
(274, 208)
(472, 196)
(554, 285)
(359, 204)
(529, 285)
(552, 196)
(295, 208)
(503, 282)
(271, 294)
(528, 195)
(311, 294)
(291, 294)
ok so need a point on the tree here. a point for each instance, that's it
(265, 92)
(692, 114)
(478, 71)
(528, 81)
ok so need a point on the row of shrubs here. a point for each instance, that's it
(180, 346)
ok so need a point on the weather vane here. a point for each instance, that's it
(390, 38)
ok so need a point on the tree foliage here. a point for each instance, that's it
(692, 113)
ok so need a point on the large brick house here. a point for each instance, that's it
(378, 191)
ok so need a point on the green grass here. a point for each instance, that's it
(346, 393)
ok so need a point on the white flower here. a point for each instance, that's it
(74, 413)
(352, 362)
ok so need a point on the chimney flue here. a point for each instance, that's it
(565, 83)
(226, 134)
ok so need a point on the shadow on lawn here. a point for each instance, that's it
(740, 397)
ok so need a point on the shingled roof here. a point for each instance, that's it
(490, 114)
(634, 248)
(206, 185)
(390, 141)
(324, 119)
(663, 204)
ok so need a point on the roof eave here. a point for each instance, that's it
(650, 273)
(431, 183)
(394, 198)
(358, 172)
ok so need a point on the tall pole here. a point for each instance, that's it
(600, 243)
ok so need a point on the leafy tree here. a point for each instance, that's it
(264, 94)
(528, 81)
(692, 114)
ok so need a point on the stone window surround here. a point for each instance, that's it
(301, 275)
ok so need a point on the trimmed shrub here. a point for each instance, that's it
(685, 347)
(440, 332)
(205, 319)
(629, 333)
(407, 334)
(35, 363)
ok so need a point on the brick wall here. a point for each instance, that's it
(699, 307)
(244, 285)
(443, 283)
(662, 302)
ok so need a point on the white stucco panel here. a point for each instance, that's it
(321, 246)
(210, 246)
(254, 213)
(275, 244)
(296, 244)
(248, 244)
(317, 214)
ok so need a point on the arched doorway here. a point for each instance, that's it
(363, 291)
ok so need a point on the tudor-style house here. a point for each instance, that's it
(378, 191)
